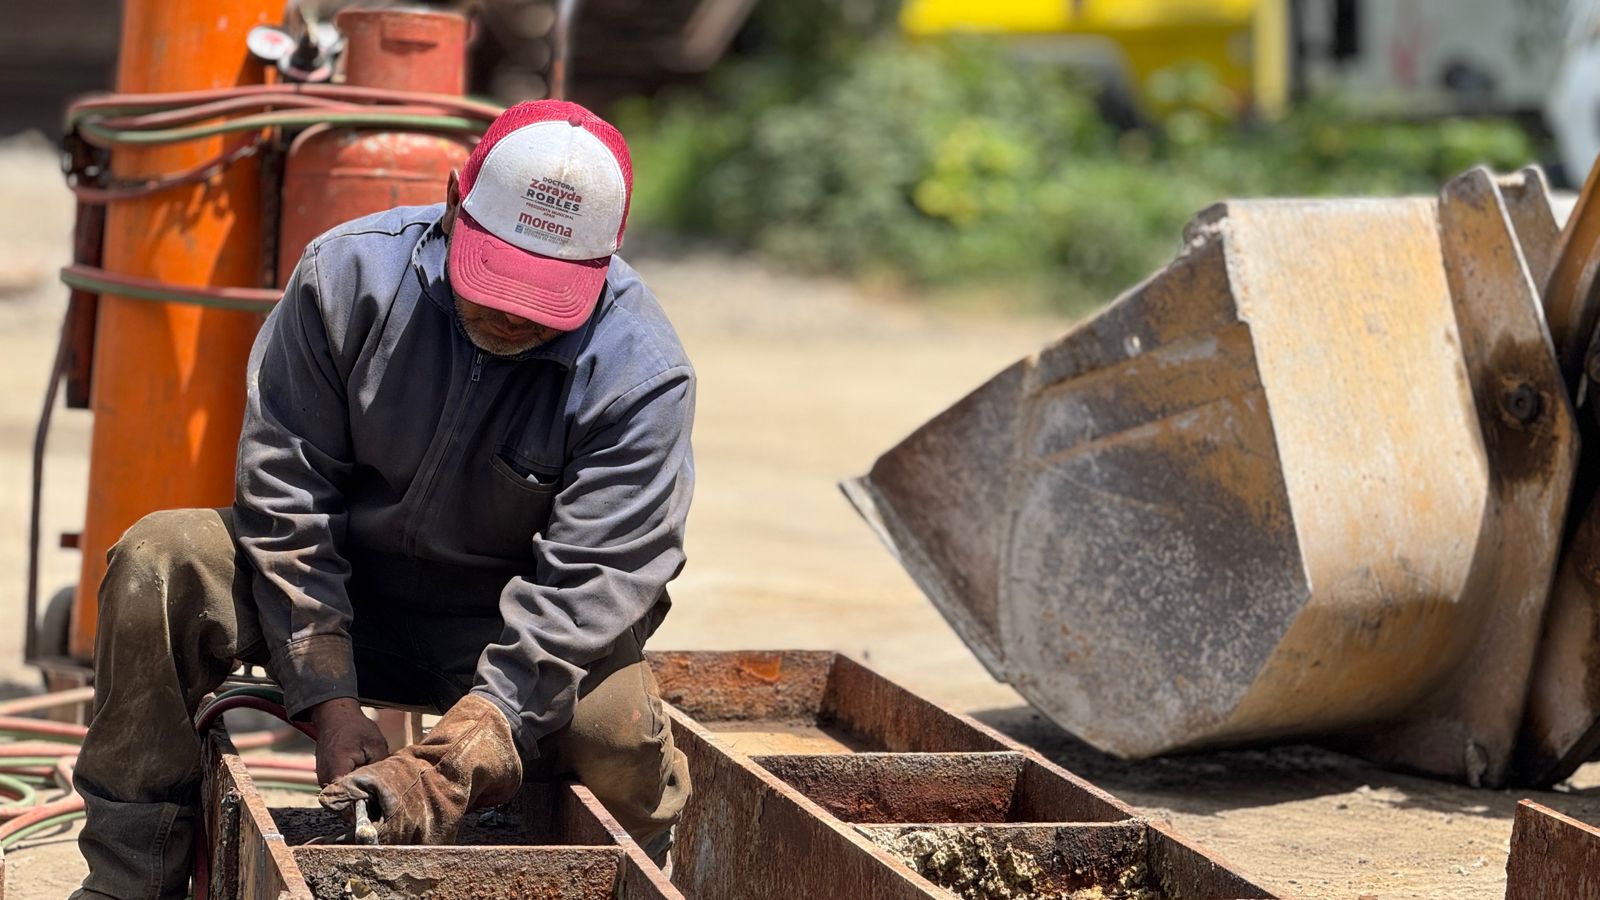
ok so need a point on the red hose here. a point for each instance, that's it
(161, 101)
(209, 715)
(67, 804)
(199, 112)
(43, 728)
(38, 748)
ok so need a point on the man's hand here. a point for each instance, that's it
(418, 796)
(346, 739)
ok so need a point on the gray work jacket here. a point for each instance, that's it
(384, 457)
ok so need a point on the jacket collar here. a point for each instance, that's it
(430, 260)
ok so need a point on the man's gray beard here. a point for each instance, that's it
(495, 346)
(490, 344)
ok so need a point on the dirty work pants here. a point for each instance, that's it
(176, 611)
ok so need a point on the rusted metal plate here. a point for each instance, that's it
(249, 857)
(461, 873)
(776, 684)
(875, 788)
(1553, 857)
(1306, 480)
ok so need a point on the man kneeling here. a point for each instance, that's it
(462, 483)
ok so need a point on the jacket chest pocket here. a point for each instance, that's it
(512, 505)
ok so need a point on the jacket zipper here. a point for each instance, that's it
(421, 509)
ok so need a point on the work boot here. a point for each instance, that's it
(420, 794)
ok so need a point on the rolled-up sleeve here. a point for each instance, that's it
(294, 454)
(614, 540)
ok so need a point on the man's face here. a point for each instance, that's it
(490, 330)
(501, 334)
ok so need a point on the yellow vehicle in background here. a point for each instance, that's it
(1145, 51)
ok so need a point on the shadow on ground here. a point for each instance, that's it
(1220, 781)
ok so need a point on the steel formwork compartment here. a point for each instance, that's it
(552, 841)
(882, 788)
(876, 763)
(883, 769)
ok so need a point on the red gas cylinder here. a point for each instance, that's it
(332, 175)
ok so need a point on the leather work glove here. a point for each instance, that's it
(420, 794)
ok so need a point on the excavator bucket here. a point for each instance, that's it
(1307, 480)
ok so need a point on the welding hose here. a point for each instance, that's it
(47, 759)
(111, 137)
(17, 791)
(135, 104)
(56, 812)
(50, 700)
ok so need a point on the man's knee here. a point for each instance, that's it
(163, 548)
(619, 744)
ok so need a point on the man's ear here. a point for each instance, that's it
(452, 202)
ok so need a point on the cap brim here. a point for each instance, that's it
(557, 293)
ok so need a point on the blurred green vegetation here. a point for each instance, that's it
(953, 165)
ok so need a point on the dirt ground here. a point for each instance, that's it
(803, 382)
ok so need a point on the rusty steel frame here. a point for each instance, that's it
(554, 842)
(815, 823)
(1553, 857)
(825, 822)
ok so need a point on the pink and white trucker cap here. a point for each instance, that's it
(544, 203)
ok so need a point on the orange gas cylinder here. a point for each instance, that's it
(168, 389)
(332, 175)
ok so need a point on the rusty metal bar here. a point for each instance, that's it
(1553, 857)
(562, 37)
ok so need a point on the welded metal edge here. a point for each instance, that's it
(1553, 857)
(260, 864)
(639, 878)
(1527, 199)
(904, 546)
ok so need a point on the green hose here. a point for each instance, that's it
(31, 736)
(27, 762)
(41, 825)
(138, 292)
(374, 119)
(22, 793)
